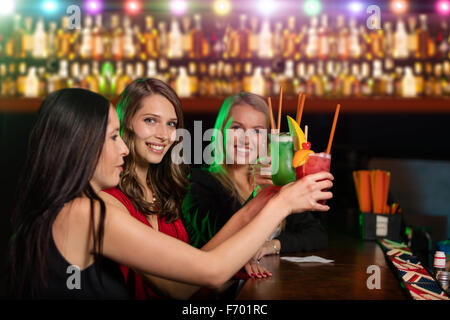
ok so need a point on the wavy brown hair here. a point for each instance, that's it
(166, 180)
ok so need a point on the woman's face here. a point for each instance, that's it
(110, 163)
(154, 126)
(244, 139)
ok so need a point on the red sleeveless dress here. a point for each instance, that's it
(137, 287)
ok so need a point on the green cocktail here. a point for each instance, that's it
(282, 152)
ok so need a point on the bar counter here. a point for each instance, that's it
(344, 279)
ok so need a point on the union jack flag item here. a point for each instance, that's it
(416, 279)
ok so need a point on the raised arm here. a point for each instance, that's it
(131, 243)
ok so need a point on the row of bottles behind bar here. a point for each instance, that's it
(322, 78)
(321, 38)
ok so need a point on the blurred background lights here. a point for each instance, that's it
(133, 6)
(93, 6)
(443, 7)
(178, 7)
(312, 7)
(49, 6)
(355, 6)
(222, 7)
(6, 7)
(267, 7)
(399, 6)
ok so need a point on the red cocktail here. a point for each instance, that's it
(316, 162)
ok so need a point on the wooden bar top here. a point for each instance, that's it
(344, 279)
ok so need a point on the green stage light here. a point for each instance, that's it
(312, 7)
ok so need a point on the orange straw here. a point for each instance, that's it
(300, 105)
(338, 107)
(272, 122)
(280, 104)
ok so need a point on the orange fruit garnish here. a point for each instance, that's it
(300, 157)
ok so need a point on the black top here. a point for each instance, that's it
(63, 283)
(208, 206)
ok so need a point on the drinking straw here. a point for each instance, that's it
(306, 133)
(272, 122)
(330, 141)
(372, 190)
(280, 104)
(365, 190)
(387, 180)
(300, 107)
(380, 184)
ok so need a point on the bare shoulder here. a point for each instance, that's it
(112, 201)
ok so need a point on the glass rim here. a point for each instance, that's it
(320, 155)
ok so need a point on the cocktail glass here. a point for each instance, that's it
(282, 152)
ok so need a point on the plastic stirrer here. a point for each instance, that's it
(300, 107)
(280, 104)
(272, 122)
(330, 141)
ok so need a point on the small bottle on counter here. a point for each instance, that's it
(439, 263)
(443, 280)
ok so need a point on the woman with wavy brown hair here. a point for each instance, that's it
(152, 187)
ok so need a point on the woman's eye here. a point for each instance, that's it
(114, 137)
(149, 120)
(172, 124)
(235, 127)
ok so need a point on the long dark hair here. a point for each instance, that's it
(64, 147)
(166, 180)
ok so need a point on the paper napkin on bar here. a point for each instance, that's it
(307, 259)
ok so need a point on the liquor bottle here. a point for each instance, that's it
(10, 86)
(14, 46)
(246, 80)
(354, 46)
(438, 264)
(42, 79)
(254, 36)
(319, 80)
(377, 43)
(324, 45)
(401, 50)
(341, 73)
(310, 73)
(277, 39)
(3, 75)
(129, 49)
(27, 39)
(21, 78)
(257, 82)
(328, 79)
(227, 45)
(389, 77)
(52, 40)
(243, 39)
(98, 49)
(287, 80)
(151, 38)
(163, 39)
(116, 86)
(117, 38)
(75, 76)
(301, 43)
(182, 83)
(63, 75)
(203, 82)
(356, 85)
(442, 41)
(420, 83)
(409, 84)
(289, 39)
(39, 44)
(175, 50)
(198, 43)
(193, 79)
(301, 77)
(238, 84)
(412, 36)
(31, 84)
(348, 80)
(398, 82)
(265, 50)
(93, 79)
(429, 80)
(312, 45)
(219, 80)
(366, 80)
(423, 39)
(439, 88)
(377, 75)
(446, 79)
(389, 41)
(63, 39)
(86, 39)
(139, 71)
(341, 40)
(186, 24)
